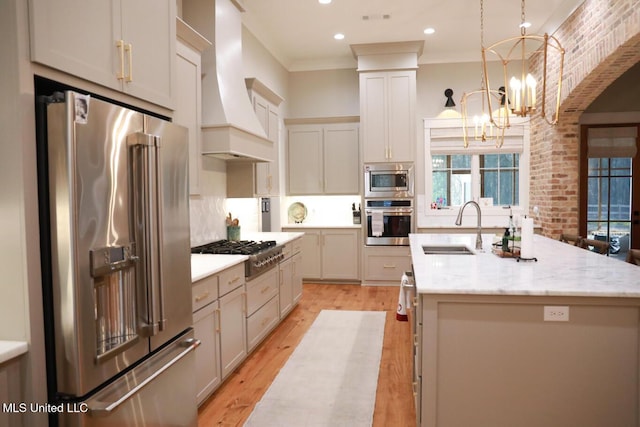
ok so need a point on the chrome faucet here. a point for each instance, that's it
(459, 221)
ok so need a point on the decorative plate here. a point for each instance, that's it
(297, 212)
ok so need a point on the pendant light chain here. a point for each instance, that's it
(523, 28)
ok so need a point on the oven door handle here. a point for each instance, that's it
(394, 212)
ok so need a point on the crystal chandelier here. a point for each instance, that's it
(521, 88)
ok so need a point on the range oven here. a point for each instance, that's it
(388, 180)
(263, 255)
(388, 221)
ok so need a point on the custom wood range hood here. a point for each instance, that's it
(230, 128)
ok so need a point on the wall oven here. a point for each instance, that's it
(388, 221)
(389, 180)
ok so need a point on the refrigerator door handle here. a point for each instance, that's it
(162, 320)
(103, 409)
(148, 223)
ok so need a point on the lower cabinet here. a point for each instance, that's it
(11, 392)
(219, 324)
(233, 331)
(231, 317)
(207, 329)
(386, 263)
(290, 276)
(262, 307)
(331, 253)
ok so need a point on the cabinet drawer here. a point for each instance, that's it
(204, 292)
(230, 279)
(261, 289)
(387, 267)
(262, 322)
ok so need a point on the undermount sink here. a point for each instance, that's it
(447, 250)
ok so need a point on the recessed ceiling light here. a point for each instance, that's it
(429, 30)
(338, 36)
(324, 1)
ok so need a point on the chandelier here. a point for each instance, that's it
(487, 125)
(520, 86)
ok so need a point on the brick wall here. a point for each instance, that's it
(601, 41)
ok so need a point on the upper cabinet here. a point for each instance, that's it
(188, 110)
(260, 179)
(129, 46)
(388, 115)
(388, 100)
(323, 159)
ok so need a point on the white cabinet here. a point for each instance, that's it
(323, 159)
(206, 327)
(11, 393)
(386, 263)
(262, 307)
(290, 277)
(188, 110)
(387, 115)
(129, 46)
(259, 179)
(266, 104)
(330, 254)
(207, 330)
(219, 323)
(233, 330)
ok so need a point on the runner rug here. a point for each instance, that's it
(331, 377)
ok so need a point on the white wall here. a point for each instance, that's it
(330, 93)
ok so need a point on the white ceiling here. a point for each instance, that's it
(299, 33)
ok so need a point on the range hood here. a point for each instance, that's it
(230, 127)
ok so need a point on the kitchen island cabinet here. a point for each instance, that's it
(501, 342)
(103, 42)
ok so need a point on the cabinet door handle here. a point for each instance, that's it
(216, 312)
(389, 266)
(245, 304)
(201, 297)
(120, 46)
(129, 50)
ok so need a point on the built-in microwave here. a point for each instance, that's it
(391, 180)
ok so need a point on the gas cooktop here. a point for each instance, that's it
(263, 255)
(234, 247)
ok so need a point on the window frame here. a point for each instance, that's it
(445, 136)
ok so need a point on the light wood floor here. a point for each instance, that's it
(233, 402)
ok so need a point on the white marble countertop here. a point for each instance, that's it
(12, 349)
(281, 237)
(311, 225)
(203, 265)
(561, 270)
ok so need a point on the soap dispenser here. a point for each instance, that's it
(505, 240)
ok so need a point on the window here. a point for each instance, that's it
(451, 179)
(454, 174)
(499, 178)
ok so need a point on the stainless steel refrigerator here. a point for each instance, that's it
(116, 265)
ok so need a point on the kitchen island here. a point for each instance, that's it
(551, 342)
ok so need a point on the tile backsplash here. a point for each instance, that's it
(207, 219)
(323, 210)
